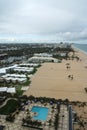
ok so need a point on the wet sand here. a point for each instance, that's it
(51, 80)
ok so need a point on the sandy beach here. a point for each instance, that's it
(51, 80)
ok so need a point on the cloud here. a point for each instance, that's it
(44, 19)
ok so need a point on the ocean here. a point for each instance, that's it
(82, 47)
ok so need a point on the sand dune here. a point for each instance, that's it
(51, 80)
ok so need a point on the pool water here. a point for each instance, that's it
(42, 112)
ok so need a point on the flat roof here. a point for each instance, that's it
(8, 90)
(29, 64)
(3, 89)
(3, 70)
(14, 75)
(11, 90)
(24, 88)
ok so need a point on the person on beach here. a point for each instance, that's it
(68, 67)
(70, 77)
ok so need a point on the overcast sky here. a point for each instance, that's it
(43, 21)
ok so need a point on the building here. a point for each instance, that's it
(42, 55)
(14, 78)
(8, 90)
(3, 56)
(29, 65)
(36, 59)
(5, 70)
(23, 69)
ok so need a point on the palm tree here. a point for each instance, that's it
(50, 122)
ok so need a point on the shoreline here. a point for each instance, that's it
(78, 49)
(51, 80)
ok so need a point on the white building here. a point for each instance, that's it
(62, 54)
(23, 69)
(3, 70)
(14, 78)
(42, 59)
(8, 90)
(42, 55)
(14, 75)
(11, 90)
(29, 65)
(3, 89)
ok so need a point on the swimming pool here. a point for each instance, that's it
(41, 112)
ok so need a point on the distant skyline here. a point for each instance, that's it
(51, 21)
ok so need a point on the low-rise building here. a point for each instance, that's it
(5, 69)
(8, 90)
(42, 55)
(14, 78)
(36, 59)
(23, 69)
(28, 65)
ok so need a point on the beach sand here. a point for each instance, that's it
(51, 80)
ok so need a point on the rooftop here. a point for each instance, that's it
(8, 90)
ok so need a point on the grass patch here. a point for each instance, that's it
(19, 92)
(9, 108)
(26, 83)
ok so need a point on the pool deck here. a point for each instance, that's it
(17, 124)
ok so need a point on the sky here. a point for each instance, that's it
(49, 21)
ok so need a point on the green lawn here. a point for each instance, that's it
(9, 107)
(18, 87)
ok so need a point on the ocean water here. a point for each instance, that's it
(82, 47)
